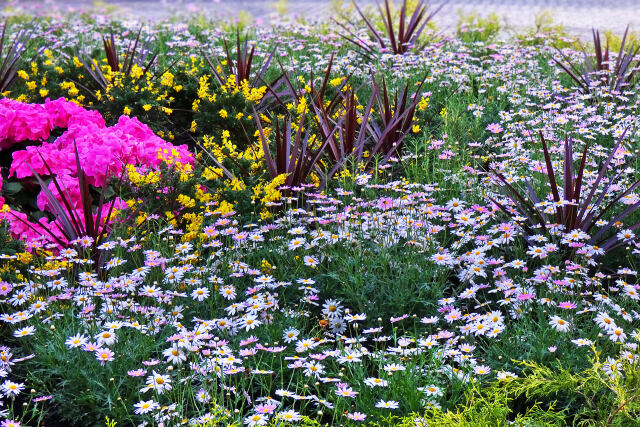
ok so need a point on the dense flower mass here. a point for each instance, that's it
(103, 151)
(452, 241)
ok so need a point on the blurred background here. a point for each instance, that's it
(577, 16)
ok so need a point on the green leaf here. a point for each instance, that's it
(12, 188)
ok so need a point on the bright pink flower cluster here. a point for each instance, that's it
(1, 198)
(34, 122)
(103, 151)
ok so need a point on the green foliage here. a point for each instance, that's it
(304, 422)
(488, 407)
(606, 393)
(546, 396)
(474, 28)
(93, 391)
(546, 32)
(615, 41)
(367, 276)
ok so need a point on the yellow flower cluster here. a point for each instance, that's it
(424, 102)
(254, 95)
(173, 158)
(266, 266)
(269, 192)
(203, 92)
(138, 179)
(203, 196)
(70, 87)
(236, 184)
(167, 79)
(210, 173)
(194, 225)
(186, 201)
(224, 207)
(226, 149)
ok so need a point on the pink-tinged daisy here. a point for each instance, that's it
(631, 291)
(387, 404)
(289, 416)
(567, 305)
(104, 355)
(203, 396)
(559, 324)
(617, 334)
(495, 128)
(376, 382)
(157, 382)
(256, 420)
(356, 416)
(385, 203)
(23, 332)
(346, 391)
(145, 406)
(526, 296)
(481, 369)
(9, 388)
(266, 408)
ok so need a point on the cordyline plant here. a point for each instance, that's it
(349, 134)
(287, 89)
(137, 53)
(575, 207)
(396, 119)
(9, 60)
(243, 66)
(68, 221)
(398, 38)
(296, 154)
(360, 128)
(599, 68)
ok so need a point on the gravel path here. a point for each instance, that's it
(579, 16)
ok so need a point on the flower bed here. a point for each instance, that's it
(347, 231)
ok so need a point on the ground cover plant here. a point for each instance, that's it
(314, 224)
